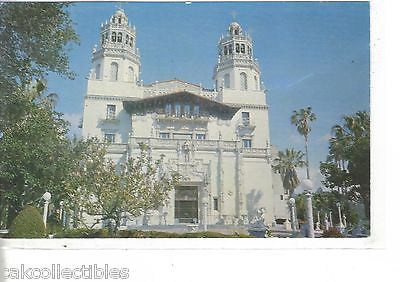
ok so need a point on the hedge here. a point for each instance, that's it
(27, 224)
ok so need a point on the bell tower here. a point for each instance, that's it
(116, 59)
(236, 68)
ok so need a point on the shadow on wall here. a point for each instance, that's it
(252, 200)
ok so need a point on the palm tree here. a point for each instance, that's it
(301, 120)
(286, 164)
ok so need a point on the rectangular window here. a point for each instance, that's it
(225, 50)
(242, 49)
(164, 135)
(168, 109)
(109, 137)
(186, 110)
(111, 110)
(230, 49)
(245, 118)
(200, 136)
(237, 48)
(281, 197)
(247, 143)
(196, 111)
(177, 110)
(216, 204)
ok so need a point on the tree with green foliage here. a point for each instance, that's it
(325, 202)
(110, 192)
(34, 41)
(286, 164)
(301, 119)
(27, 224)
(347, 168)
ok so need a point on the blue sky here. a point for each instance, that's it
(311, 54)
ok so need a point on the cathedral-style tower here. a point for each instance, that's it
(236, 68)
(117, 59)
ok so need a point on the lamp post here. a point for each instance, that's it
(292, 204)
(46, 197)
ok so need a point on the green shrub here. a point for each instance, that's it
(83, 233)
(332, 233)
(27, 224)
(103, 233)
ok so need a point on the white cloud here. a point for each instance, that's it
(74, 119)
(324, 138)
(315, 177)
(300, 80)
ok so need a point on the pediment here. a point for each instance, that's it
(175, 85)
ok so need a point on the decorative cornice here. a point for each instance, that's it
(249, 106)
(104, 97)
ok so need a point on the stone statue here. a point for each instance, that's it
(186, 150)
(344, 221)
(326, 222)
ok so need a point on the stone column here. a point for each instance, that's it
(317, 228)
(310, 220)
(340, 216)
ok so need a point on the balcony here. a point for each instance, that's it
(246, 124)
(181, 118)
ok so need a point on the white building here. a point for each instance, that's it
(218, 139)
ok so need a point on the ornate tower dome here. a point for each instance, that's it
(117, 58)
(236, 68)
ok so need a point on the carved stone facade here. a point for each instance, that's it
(217, 139)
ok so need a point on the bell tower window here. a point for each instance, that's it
(119, 20)
(131, 74)
(230, 49)
(98, 71)
(256, 83)
(119, 39)
(242, 49)
(243, 81)
(237, 48)
(114, 71)
(127, 39)
(225, 50)
(131, 41)
(236, 31)
(113, 37)
(227, 81)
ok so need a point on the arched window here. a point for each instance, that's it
(131, 41)
(237, 48)
(113, 19)
(119, 20)
(236, 31)
(119, 39)
(230, 49)
(131, 74)
(98, 71)
(225, 50)
(127, 39)
(256, 83)
(102, 39)
(113, 37)
(227, 81)
(242, 49)
(114, 71)
(243, 81)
